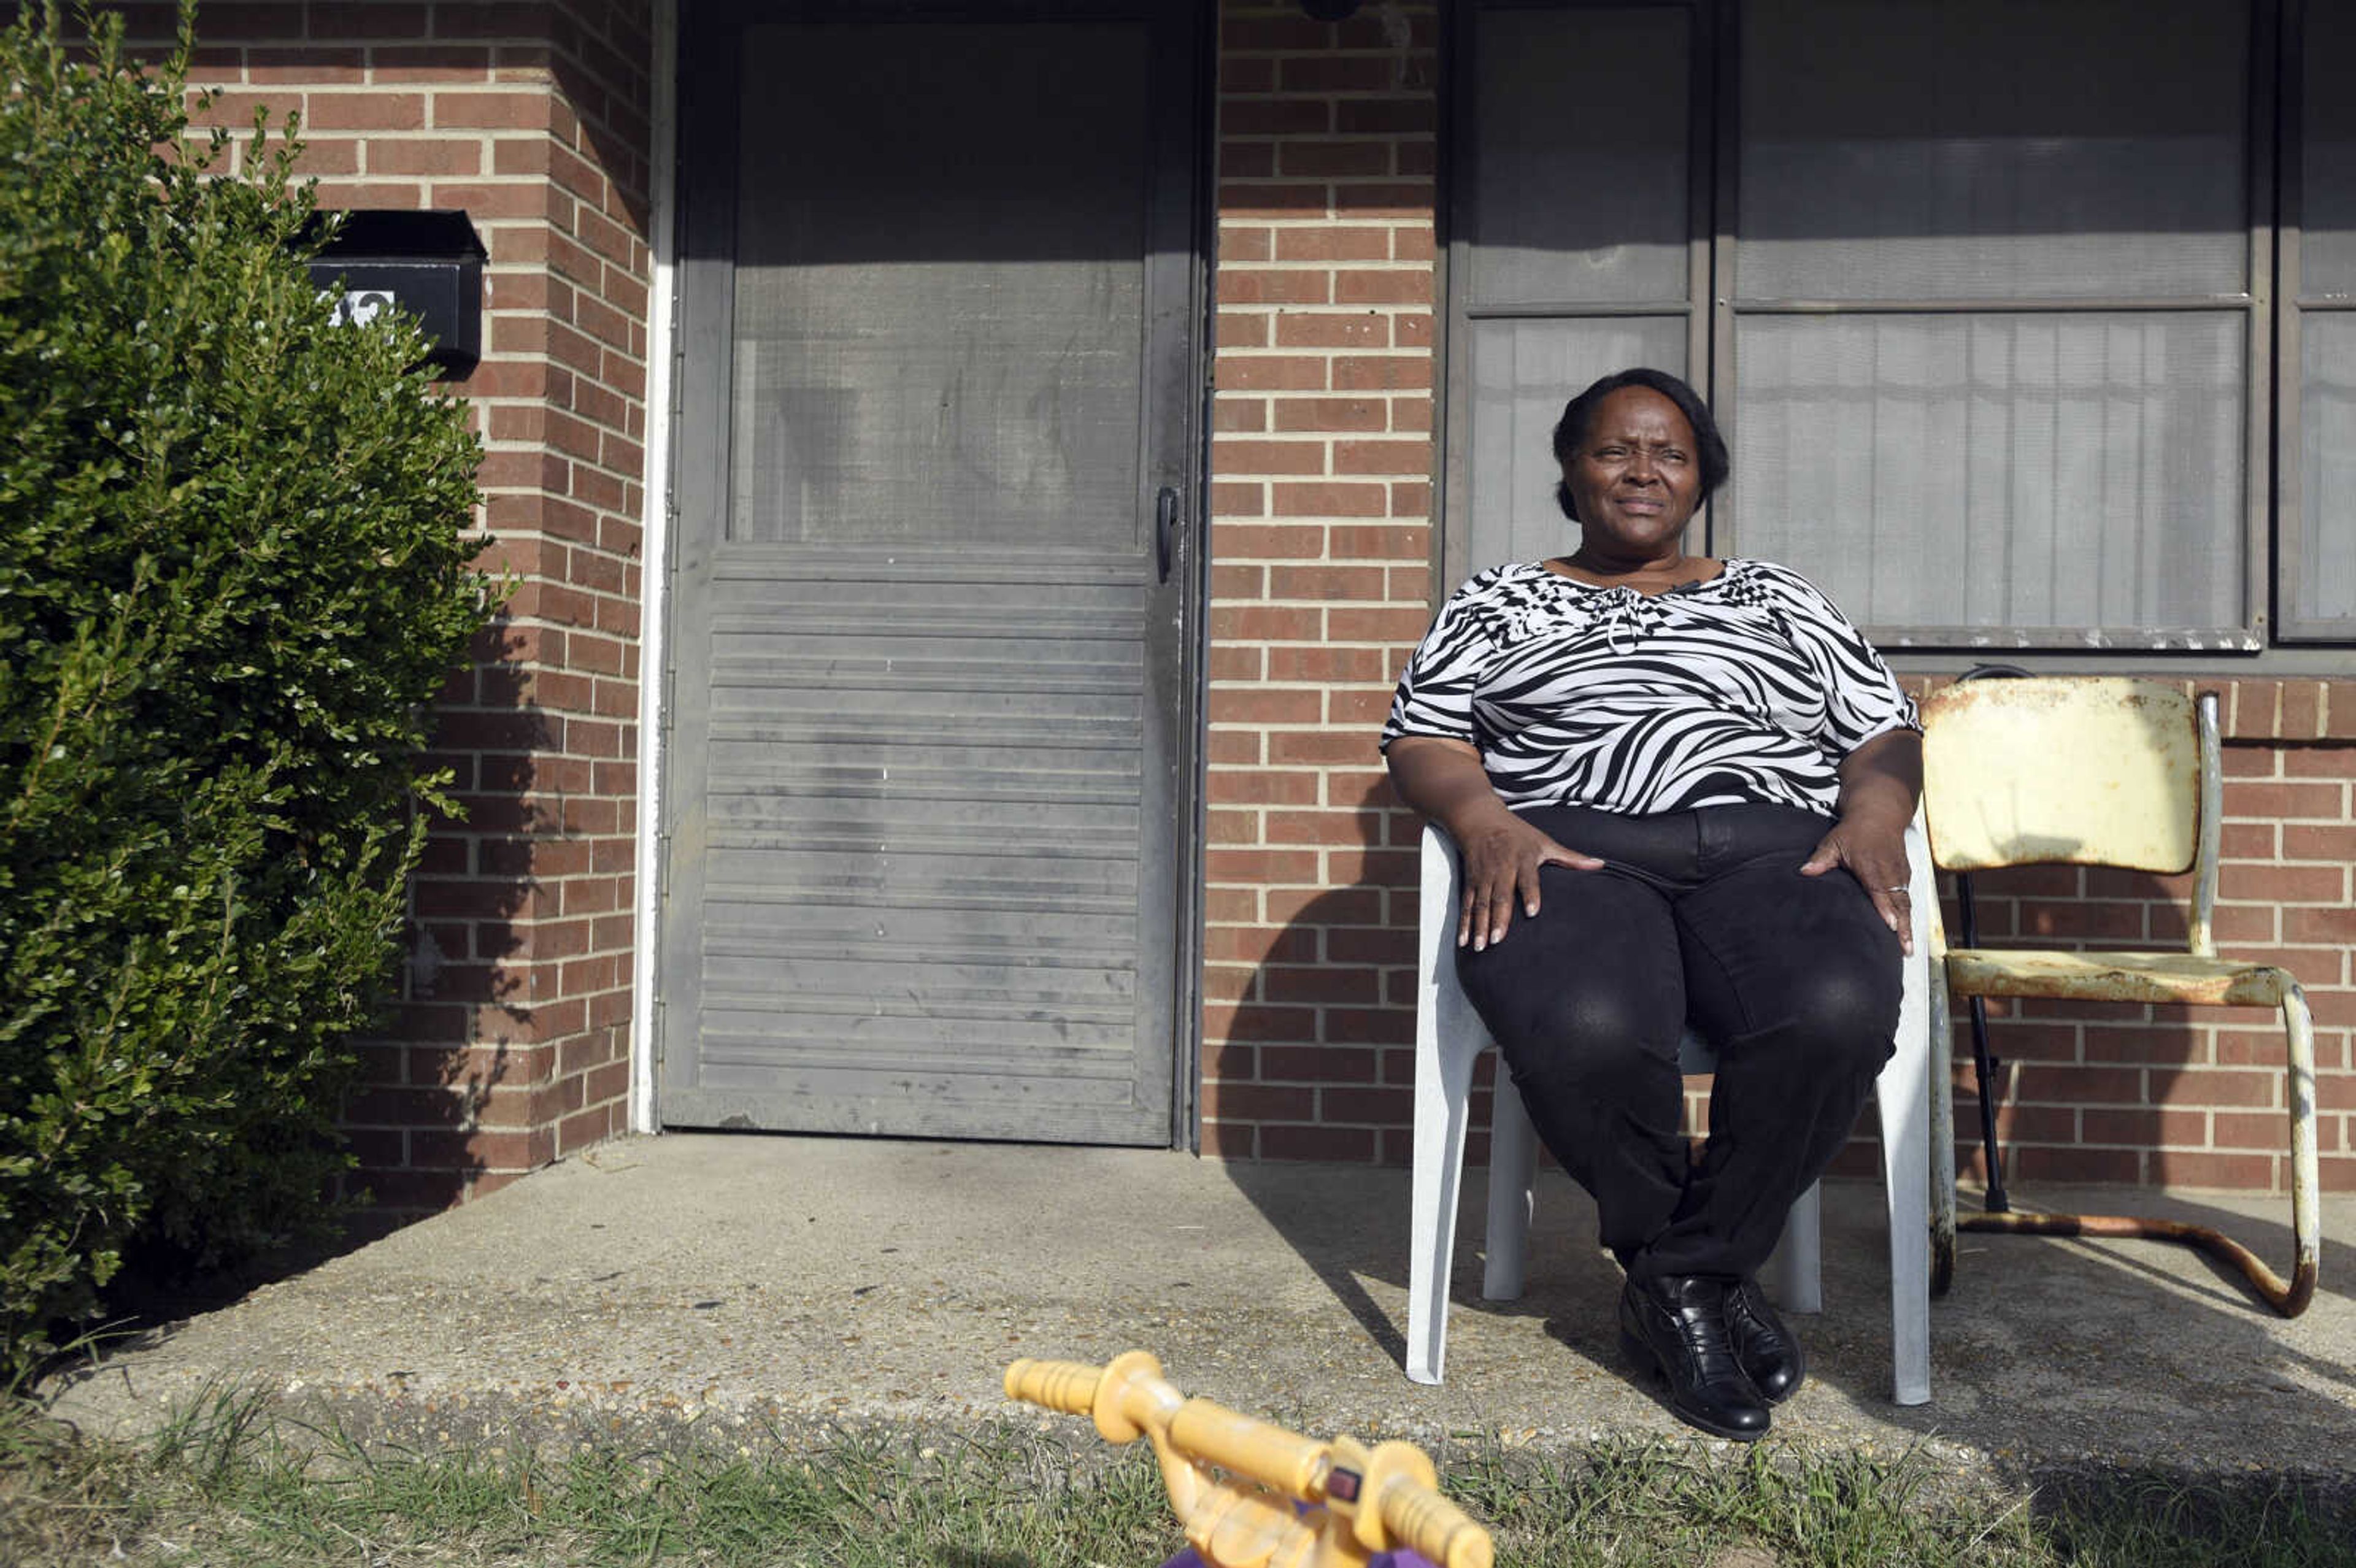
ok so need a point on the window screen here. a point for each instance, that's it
(1575, 246)
(1997, 471)
(1992, 149)
(937, 339)
(2320, 567)
(1972, 387)
(1581, 182)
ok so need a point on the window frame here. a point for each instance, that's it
(2293, 306)
(1457, 216)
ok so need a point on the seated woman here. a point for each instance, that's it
(1679, 787)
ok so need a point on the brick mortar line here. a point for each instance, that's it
(540, 534)
(496, 268)
(1246, 308)
(509, 446)
(518, 271)
(554, 495)
(1242, 184)
(1390, 222)
(591, 465)
(593, 551)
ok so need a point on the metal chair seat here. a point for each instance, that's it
(2182, 978)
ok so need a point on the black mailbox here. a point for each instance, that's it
(429, 264)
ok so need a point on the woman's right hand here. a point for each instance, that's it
(1501, 854)
(1501, 861)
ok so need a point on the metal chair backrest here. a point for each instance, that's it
(2072, 771)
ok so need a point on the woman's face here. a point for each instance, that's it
(1635, 477)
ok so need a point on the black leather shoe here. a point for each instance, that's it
(1677, 1325)
(1770, 1352)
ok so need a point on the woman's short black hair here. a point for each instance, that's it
(1571, 428)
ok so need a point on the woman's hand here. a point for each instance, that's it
(1881, 781)
(1501, 869)
(1500, 853)
(1874, 852)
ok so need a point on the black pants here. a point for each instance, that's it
(1699, 916)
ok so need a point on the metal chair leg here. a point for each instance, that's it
(1943, 1134)
(2287, 1297)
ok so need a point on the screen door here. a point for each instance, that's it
(927, 811)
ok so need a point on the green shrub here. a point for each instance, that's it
(233, 569)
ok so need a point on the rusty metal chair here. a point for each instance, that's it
(2097, 772)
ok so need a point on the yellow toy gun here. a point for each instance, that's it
(1298, 1503)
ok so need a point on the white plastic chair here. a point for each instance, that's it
(1449, 1037)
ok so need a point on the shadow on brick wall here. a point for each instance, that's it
(1319, 1063)
(451, 1091)
(602, 71)
(2083, 1092)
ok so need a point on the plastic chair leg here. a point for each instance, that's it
(1513, 1173)
(1906, 1178)
(2298, 1031)
(1903, 1092)
(1442, 1087)
(1794, 1275)
(1943, 1137)
(1448, 1040)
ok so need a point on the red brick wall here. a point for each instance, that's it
(513, 1040)
(1320, 540)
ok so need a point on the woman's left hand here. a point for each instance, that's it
(1881, 781)
(1873, 850)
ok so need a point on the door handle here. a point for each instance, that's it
(1165, 526)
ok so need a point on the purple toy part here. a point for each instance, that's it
(1190, 1558)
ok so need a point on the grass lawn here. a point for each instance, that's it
(220, 1487)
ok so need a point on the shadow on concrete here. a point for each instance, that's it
(2132, 1331)
(1336, 1253)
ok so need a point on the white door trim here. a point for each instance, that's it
(654, 609)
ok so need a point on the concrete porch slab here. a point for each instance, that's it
(724, 1286)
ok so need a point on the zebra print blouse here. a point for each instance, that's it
(1749, 687)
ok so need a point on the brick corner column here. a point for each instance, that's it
(1322, 463)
